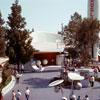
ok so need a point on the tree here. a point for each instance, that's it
(71, 30)
(19, 48)
(2, 37)
(82, 34)
(88, 34)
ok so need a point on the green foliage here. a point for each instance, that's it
(6, 78)
(72, 53)
(19, 48)
(82, 34)
(66, 83)
(97, 79)
(2, 37)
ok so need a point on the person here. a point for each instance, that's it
(27, 93)
(96, 72)
(17, 77)
(18, 95)
(92, 80)
(1, 96)
(63, 73)
(72, 96)
(79, 98)
(22, 69)
(86, 97)
(13, 95)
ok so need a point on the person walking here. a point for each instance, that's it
(92, 79)
(27, 93)
(18, 95)
(96, 72)
(22, 69)
(72, 96)
(86, 97)
(17, 77)
(79, 98)
(13, 95)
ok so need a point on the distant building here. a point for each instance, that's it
(48, 47)
(94, 12)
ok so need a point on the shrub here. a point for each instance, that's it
(97, 79)
(6, 78)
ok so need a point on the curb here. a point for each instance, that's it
(9, 86)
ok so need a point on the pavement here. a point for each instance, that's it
(38, 85)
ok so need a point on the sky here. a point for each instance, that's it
(46, 15)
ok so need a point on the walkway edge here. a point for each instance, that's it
(9, 86)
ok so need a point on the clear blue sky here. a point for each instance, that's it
(46, 15)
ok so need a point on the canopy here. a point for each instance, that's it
(54, 83)
(75, 76)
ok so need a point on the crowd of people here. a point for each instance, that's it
(78, 98)
(86, 97)
(18, 94)
(73, 97)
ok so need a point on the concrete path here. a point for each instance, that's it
(38, 84)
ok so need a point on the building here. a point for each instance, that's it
(94, 12)
(48, 47)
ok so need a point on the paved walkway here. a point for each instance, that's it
(38, 84)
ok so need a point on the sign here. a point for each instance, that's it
(91, 9)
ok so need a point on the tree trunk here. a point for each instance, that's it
(18, 67)
(92, 51)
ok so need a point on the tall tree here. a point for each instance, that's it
(2, 37)
(82, 34)
(19, 48)
(71, 30)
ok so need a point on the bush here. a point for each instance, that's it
(6, 78)
(97, 79)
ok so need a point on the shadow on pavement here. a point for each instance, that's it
(45, 71)
(96, 87)
(49, 71)
(37, 82)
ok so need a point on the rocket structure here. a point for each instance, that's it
(94, 12)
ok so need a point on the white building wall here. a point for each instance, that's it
(94, 12)
(47, 42)
(59, 59)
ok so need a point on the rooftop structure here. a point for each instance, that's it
(48, 46)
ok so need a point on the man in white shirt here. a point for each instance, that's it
(27, 93)
(17, 77)
(18, 95)
(92, 79)
(22, 69)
